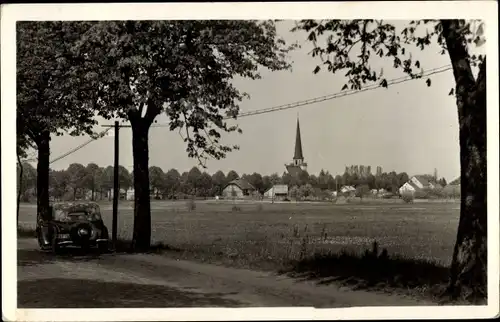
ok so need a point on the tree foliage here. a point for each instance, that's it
(181, 68)
(353, 45)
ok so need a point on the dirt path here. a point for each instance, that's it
(143, 280)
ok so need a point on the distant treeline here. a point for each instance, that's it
(91, 181)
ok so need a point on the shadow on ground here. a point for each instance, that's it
(372, 270)
(81, 293)
(32, 257)
(122, 246)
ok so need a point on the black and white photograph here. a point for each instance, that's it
(240, 156)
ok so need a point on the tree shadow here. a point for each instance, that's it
(371, 270)
(33, 257)
(82, 293)
(123, 246)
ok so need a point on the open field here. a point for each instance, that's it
(320, 241)
(260, 233)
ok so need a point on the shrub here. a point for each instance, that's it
(407, 197)
(236, 208)
(421, 194)
(191, 204)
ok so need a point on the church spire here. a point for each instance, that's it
(298, 143)
(298, 163)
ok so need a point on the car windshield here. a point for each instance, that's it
(73, 212)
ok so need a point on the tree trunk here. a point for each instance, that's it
(142, 207)
(42, 182)
(93, 188)
(20, 190)
(469, 263)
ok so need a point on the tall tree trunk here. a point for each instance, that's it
(469, 263)
(142, 207)
(92, 197)
(20, 190)
(42, 182)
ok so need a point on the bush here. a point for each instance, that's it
(407, 197)
(429, 194)
(236, 208)
(191, 204)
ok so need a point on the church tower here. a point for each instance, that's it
(298, 158)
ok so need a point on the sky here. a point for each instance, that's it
(407, 127)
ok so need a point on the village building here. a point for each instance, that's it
(347, 190)
(417, 183)
(277, 192)
(124, 194)
(298, 165)
(237, 189)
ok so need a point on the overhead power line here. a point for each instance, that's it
(100, 135)
(319, 99)
(328, 97)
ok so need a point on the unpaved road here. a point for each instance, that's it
(145, 280)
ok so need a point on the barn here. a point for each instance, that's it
(237, 189)
(279, 191)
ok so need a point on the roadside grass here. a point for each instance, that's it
(323, 242)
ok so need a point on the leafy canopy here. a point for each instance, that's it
(351, 45)
(51, 95)
(184, 69)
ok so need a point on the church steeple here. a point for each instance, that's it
(298, 158)
(298, 144)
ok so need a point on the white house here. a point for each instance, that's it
(127, 195)
(347, 189)
(277, 191)
(416, 183)
(408, 187)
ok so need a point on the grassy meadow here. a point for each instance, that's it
(266, 231)
(309, 239)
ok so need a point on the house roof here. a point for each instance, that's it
(423, 180)
(242, 184)
(414, 186)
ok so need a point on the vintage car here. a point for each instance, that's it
(73, 224)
